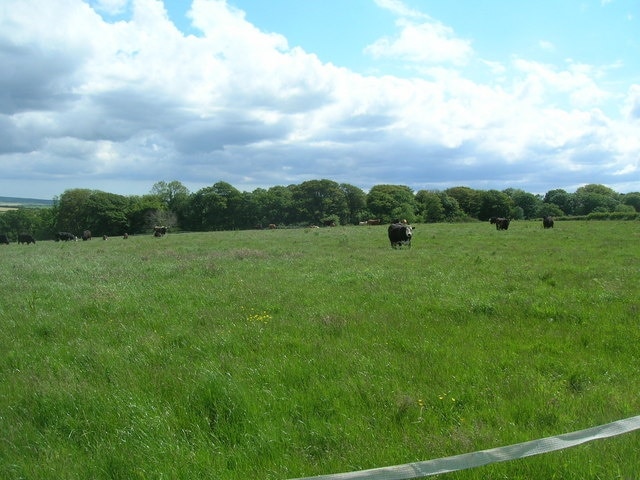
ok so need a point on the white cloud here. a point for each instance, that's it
(112, 7)
(399, 8)
(92, 101)
(429, 42)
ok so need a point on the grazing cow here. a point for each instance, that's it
(400, 234)
(65, 237)
(374, 221)
(501, 223)
(25, 238)
(272, 226)
(547, 222)
(86, 235)
(125, 236)
(4, 239)
(104, 237)
(159, 231)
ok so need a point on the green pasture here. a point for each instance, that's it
(275, 354)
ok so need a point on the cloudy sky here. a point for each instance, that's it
(116, 95)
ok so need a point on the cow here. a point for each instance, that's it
(159, 231)
(4, 239)
(65, 237)
(374, 221)
(26, 238)
(272, 226)
(500, 222)
(400, 234)
(104, 237)
(547, 222)
(363, 223)
(125, 236)
(86, 235)
(329, 223)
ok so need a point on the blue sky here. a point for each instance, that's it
(120, 94)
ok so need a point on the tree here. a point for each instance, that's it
(214, 208)
(528, 202)
(356, 203)
(143, 212)
(173, 194)
(548, 210)
(563, 200)
(391, 202)
(34, 221)
(493, 203)
(595, 198)
(106, 213)
(467, 199)
(73, 213)
(317, 200)
(633, 199)
(277, 205)
(430, 209)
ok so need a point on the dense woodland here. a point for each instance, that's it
(314, 202)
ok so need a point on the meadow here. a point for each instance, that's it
(277, 354)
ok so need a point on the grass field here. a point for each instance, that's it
(285, 353)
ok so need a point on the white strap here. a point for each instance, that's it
(485, 457)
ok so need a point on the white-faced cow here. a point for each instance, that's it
(547, 222)
(400, 234)
(25, 238)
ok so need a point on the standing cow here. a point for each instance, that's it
(547, 222)
(400, 234)
(501, 223)
(26, 238)
(86, 235)
(159, 231)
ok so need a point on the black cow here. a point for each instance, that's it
(26, 238)
(159, 231)
(4, 239)
(400, 234)
(65, 237)
(501, 223)
(86, 235)
(547, 222)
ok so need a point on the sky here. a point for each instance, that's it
(116, 95)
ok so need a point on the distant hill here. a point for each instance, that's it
(24, 202)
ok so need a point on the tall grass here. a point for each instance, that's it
(285, 353)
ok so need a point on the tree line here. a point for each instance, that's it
(314, 202)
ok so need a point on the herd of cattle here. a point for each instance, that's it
(400, 232)
(70, 237)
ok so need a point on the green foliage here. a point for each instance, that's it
(316, 200)
(222, 207)
(390, 202)
(285, 353)
(494, 203)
